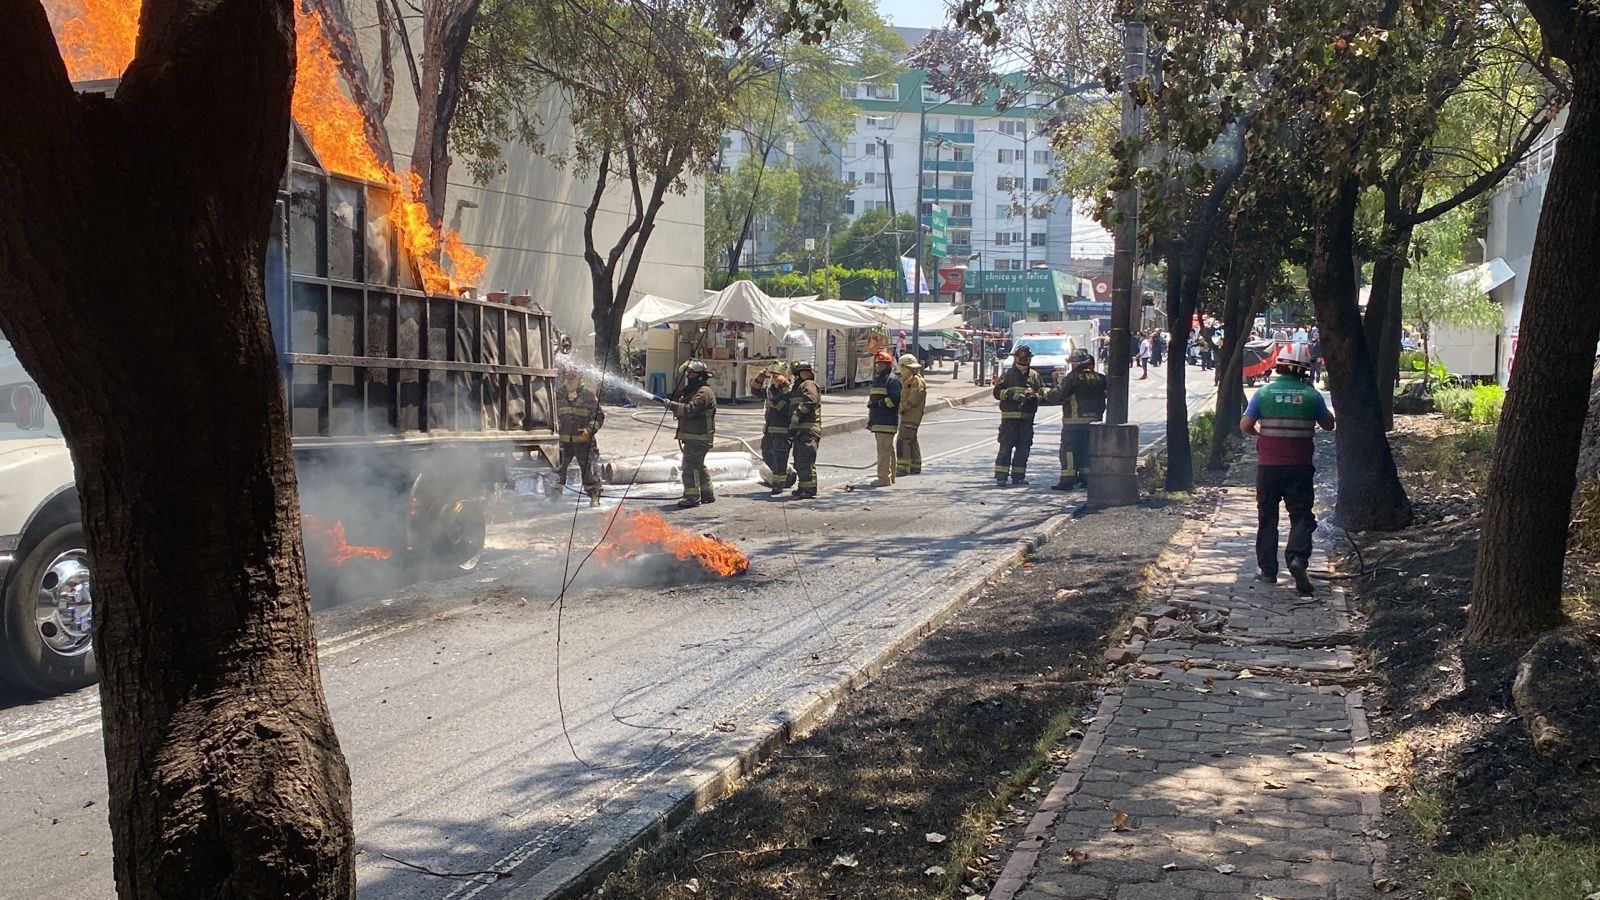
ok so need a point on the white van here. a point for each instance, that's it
(1053, 343)
(46, 608)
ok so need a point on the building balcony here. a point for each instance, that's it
(929, 193)
(947, 165)
(954, 137)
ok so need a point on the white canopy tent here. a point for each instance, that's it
(741, 301)
(649, 310)
(1486, 276)
(836, 314)
(933, 316)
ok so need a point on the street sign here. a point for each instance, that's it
(940, 220)
(811, 244)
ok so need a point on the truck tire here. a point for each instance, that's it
(448, 526)
(46, 630)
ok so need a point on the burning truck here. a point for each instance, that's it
(406, 404)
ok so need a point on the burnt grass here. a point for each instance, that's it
(1463, 767)
(953, 736)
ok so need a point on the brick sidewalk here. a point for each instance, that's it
(1233, 763)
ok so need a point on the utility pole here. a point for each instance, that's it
(827, 253)
(1127, 232)
(888, 179)
(916, 279)
(1027, 199)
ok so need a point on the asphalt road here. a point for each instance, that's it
(445, 693)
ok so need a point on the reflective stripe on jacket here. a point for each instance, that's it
(1012, 392)
(575, 413)
(883, 403)
(805, 407)
(697, 415)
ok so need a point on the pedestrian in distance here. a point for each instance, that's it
(883, 414)
(805, 427)
(1019, 390)
(773, 385)
(1081, 394)
(913, 403)
(1284, 415)
(695, 407)
(578, 417)
(1145, 349)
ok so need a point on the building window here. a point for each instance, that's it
(1005, 183)
(1005, 155)
(961, 236)
(882, 123)
(889, 92)
(1043, 157)
(870, 148)
(932, 125)
(869, 177)
(1040, 185)
(961, 182)
(888, 151)
(961, 210)
(1017, 127)
(850, 207)
(1005, 265)
(1002, 239)
(929, 95)
(848, 91)
(850, 177)
(1036, 239)
(1041, 212)
(994, 301)
(1004, 211)
(965, 126)
(961, 153)
(870, 205)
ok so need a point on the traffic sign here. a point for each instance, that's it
(940, 219)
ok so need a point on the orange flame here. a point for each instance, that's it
(96, 39)
(95, 36)
(646, 529)
(336, 550)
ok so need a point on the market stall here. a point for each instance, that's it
(736, 331)
(838, 329)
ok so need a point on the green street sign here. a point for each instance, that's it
(940, 220)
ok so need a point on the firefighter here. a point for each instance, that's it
(1284, 415)
(1081, 394)
(883, 414)
(772, 384)
(913, 402)
(578, 417)
(805, 427)
(695, 407)
(1019, 390)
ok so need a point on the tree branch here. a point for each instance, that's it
(1531, 130)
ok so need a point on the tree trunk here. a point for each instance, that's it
(1180, 456)
(1516, 588)
(225, 777)
(1237, 312)
(446, 28)
(1381, 324)
(1371, 497)
(341, 35)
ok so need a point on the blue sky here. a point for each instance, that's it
(913, 13)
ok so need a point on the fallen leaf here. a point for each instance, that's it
(866, 830)
(1074, 856)
(1246, 673)
(1119, 820)
(1227, 868)
(933, 870)
(1168, 867)
(1271, 785)
(934, 837)
(725, 726)
(693, 885)
(849, 862)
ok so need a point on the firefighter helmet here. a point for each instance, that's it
(801, 365)
(779, 367)
(694, 368)
(883, 356)
(1082, 359)
(908, 361)
(1022, 351)
(1295, 359)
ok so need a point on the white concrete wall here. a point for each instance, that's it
(529, 220)
(1513, 225)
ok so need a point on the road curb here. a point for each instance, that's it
(726, 771)
(722, 774)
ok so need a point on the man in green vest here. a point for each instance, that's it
(695, 407)
(1284, 415)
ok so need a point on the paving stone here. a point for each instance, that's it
(1156, 892)
(1070, 887)
(1123, 872)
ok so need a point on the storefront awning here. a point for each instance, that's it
(1486, 276)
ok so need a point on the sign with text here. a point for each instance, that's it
(940, 220)
(950, 280)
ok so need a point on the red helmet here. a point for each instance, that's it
(883, 356)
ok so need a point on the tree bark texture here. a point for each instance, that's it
(225, 777)
(1381, 323)
(1180, 455)
(1371, 497)
(1516, 589)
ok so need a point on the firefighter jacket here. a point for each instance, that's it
(1013, 391)
(913, 399)
(578, 416)
(883, 403)
(696, 411)
(805, 407)
(775, 405)
(1081, 396)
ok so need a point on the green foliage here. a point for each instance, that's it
(873, 241)
(840, 282)
(1527, 867)
(1479, 404)
(743, 195)
(1434, 372)
(820, 212)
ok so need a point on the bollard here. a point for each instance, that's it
(1113, 465)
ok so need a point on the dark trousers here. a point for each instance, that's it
(775, 453)
(805, 461)
(1016, 439)
(1290, 485)
(696, 480)
(1074, 453)
(583, 452)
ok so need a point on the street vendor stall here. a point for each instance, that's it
(837, 329)
(736, 331)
